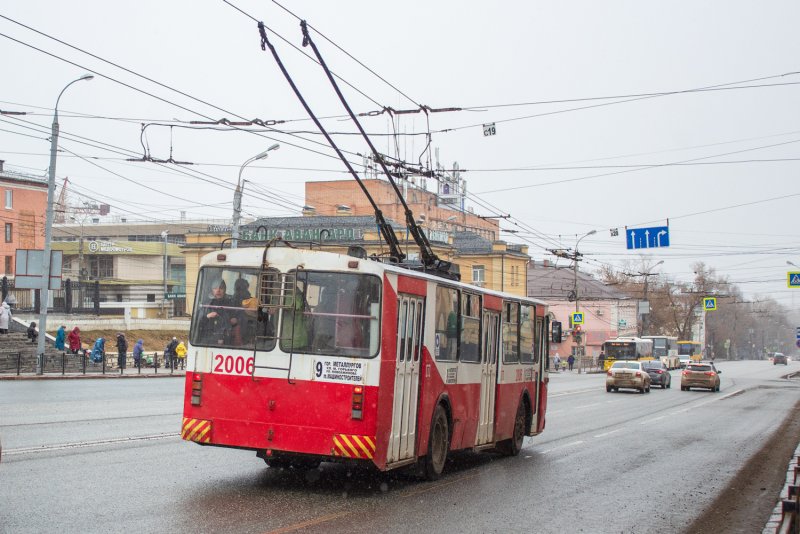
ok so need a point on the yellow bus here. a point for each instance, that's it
(626, 348)
(689, 351)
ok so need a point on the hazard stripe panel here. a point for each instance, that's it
(198, 430)
(353, 446)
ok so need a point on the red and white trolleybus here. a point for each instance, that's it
(306, 356)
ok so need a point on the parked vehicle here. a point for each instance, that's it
(659, 373)
(700, 375)
(779, 357)
(630, 374)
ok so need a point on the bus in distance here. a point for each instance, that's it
(665, 348)
(689, 351)
(306, 356)
(626, 348)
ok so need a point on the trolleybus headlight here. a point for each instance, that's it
(358, 402)
(197, 388)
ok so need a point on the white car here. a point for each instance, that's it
(628, 374)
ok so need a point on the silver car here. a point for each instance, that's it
(627, 374)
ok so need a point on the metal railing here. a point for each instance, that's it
(24, 362)
(790, 507)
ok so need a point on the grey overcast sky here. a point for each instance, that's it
(599, 115)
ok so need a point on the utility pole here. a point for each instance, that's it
(646, 316)
(575, 257)
(164, 235)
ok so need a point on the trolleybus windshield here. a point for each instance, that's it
(328, 313)
(226, 310)
(332, 313)
(620, 350)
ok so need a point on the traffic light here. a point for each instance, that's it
(556, 332)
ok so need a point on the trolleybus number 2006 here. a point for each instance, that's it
(231, 365)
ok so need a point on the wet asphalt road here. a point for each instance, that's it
(105, 456)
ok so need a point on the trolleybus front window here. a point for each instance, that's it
(226, 309)
(331, 313)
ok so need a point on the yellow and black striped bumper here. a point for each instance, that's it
(353, 446)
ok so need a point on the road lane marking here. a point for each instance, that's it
(571, 444)
(604, 434)
(81, 444)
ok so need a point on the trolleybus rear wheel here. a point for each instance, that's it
(438, 443)
(511, 447)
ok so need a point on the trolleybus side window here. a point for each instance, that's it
(526, 349)
(470, 327)
(331, 313)
(402, 331)
(446, 323)
(420, 323)
(225, 311)
(510, 332)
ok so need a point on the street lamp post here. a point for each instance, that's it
(237, 195)
(48, 231)
(579, 341)
(647, 275)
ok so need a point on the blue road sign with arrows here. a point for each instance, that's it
(653, 237)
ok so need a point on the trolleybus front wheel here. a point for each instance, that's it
(438, 443)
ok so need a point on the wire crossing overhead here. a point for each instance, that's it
(430, 260)
(386, 230)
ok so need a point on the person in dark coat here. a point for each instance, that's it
(32, 333)
(61, 336)
(122, 350)
(571, 361)
(169, 353)
(216, 314)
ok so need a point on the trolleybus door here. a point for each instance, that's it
(406, 384)
(491, 329)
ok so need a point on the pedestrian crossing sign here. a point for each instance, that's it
(577, 318)
(710, 303)
(793, 279)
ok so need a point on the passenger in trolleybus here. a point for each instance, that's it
(216, 313)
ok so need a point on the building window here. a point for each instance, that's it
(479, 275)
(9, 232)
(9, 199)
(9, 263)
(514, 275)
(151, 297)
(101, 267)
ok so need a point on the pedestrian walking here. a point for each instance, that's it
(571, 361)
(5, 317)
(74, 340)
(33, 334)
(556, 362)
(138, 350)
(180, 352)
(169, 353)
(61, 336)
(122, 350)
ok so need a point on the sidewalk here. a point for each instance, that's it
(147, 372)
